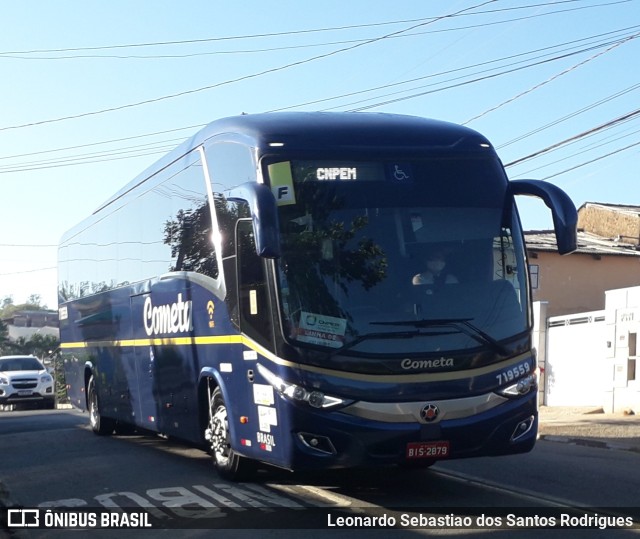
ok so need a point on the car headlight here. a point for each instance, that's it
(314, 398)
(46, 379)
(4, 381)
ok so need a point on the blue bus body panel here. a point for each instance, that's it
(153, 382)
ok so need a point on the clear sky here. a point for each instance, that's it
(94, 92)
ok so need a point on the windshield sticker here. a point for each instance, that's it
(322, 330)
(282, 183)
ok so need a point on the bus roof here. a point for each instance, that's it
(297, 131)
(304, 130)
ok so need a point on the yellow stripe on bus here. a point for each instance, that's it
(239, 339)
(167, 341)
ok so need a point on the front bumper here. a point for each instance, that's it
(341, 440)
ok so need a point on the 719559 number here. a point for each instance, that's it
(513, 373)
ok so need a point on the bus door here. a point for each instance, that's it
(255, 309)
(256, 322)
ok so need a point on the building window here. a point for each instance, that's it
(533, 272)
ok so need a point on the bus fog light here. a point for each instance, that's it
(522, 428)
(319, 443)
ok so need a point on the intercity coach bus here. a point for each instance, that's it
(262, 291)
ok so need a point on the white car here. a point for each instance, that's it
(24, 379)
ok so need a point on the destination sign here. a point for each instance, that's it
(343, 173)
(337, 171)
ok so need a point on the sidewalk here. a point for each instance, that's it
(590, 426)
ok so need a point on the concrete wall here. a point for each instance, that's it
(577, 282)
(591, 358)
(623, 326)
(609, 222)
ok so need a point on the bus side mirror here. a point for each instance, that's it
(264, 214)
(563, 210)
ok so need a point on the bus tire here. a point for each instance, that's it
(227, 462)
(99, 424)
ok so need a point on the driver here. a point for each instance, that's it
(435, 273)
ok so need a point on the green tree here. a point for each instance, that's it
(42, 346)
(8, 307)
(5, 343)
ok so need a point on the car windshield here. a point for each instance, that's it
(20, 364)
(389, 258)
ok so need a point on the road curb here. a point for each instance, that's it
(589, 443)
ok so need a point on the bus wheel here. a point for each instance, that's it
(228, 463)
(99, 424)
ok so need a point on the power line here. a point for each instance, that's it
(27, 271)
(245, 77)
(584, 134)
(104, 156)
(591, 161)
(334, 97)
(122, 139)
(422, 21)
(568, 116)
(464, 83)
(153, 146)
(86, 162)
(25, 245)
(551, 79)
(450, 71)
(587, 149)
(15, 55)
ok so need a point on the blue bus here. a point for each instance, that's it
(268, 292)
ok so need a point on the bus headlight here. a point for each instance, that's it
(521, 387)
(315, 398)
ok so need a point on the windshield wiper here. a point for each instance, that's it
(384, 335)
(463, 325)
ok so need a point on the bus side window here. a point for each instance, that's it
(255, 310)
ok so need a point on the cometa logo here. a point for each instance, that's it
(169, 318)
(415, 364)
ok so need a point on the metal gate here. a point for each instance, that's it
(575, 371)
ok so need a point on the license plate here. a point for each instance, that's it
(428, 450)
(25, 392)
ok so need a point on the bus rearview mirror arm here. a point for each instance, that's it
(563, 210)
(264, 213)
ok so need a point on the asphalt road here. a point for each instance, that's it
(51, 459)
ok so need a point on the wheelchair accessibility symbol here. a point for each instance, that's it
(401, 173)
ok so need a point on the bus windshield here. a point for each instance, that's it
(399, 258)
